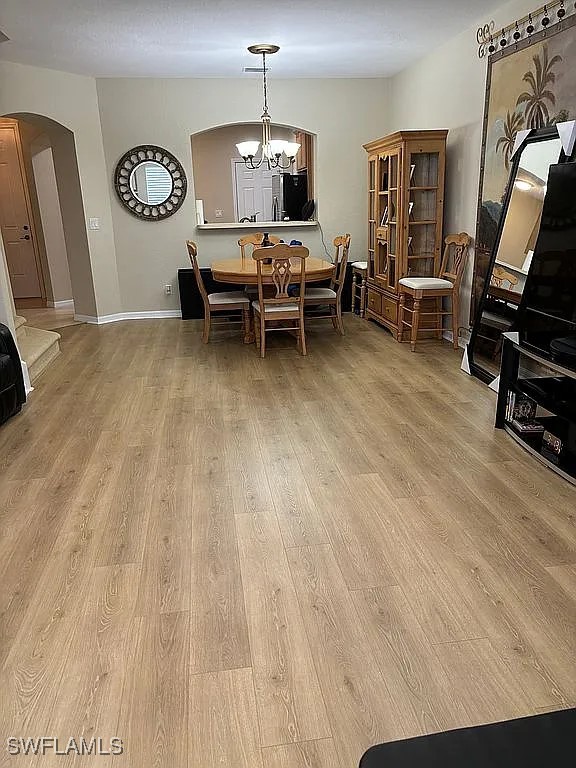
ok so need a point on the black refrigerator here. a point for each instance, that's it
(289, 194)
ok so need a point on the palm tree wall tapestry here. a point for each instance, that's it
(529, 85)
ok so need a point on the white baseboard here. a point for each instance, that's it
(151, 315)
(26, 376)
(65, 304)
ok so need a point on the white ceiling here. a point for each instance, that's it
(208, 38)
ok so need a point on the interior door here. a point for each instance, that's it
(253, 192)
(15, 221)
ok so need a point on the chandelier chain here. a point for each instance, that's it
(265, 84)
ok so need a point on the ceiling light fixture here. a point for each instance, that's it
(272, 149)
(524, 186)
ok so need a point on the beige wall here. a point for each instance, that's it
(71, 100)
(167, 112)
(49, 205)
(446, 90)
(212, 155)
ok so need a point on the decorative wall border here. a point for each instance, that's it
(491, 40)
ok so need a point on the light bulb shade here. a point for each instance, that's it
(277, 146)
(291, 149)
(248, 148)
(524, 186)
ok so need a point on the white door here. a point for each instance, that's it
(252, 191)
(15, 221)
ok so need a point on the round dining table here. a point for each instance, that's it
(243, 272)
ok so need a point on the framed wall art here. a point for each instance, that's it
(530, 84)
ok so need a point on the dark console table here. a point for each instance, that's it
(537, 389)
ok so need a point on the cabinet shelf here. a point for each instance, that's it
(417, 223)
(554, 394)
(422, 189)
(532, 443)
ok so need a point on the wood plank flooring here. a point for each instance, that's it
(229, 562)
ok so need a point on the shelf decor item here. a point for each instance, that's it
(552, 447)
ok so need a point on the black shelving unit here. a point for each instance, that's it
(552, 386)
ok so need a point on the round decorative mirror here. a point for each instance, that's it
(150, 182)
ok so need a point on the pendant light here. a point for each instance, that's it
(272, 149)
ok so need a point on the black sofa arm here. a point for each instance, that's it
(8, 347)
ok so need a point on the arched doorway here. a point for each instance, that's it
(43, 136)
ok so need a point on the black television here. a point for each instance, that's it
(547, 315)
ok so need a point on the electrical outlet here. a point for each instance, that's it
(168, 289)
(218, 213)
(94, 223)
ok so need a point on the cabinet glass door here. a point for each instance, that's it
(372, 212)
(386, 259)
(422, 213)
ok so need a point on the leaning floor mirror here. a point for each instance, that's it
(513, 249)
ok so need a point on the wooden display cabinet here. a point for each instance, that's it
(405, 206)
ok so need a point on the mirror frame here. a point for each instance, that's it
(129, 162)
(535, 136)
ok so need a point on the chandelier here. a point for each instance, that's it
(272, 149)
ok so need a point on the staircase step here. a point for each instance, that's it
(38, 348)
(20, 326)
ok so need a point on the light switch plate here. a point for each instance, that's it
(94, 223)
(218, 213)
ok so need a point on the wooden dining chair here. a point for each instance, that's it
(279, 274)
(219, 303)
(447, 284)
(254, 240)
(501, 276)
(332, 296)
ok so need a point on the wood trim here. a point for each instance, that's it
(402, 136)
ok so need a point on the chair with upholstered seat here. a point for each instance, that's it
(279, 275)
(447, 284)
(332, 296)
(219, 303)
(501, 276)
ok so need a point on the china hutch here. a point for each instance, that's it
(405, 206)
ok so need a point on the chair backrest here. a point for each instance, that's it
(500, 275)
(456, 249)
(255, 239)
(342, 246)
(193, 254)
(280, 273)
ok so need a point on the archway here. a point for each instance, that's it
(62, 143)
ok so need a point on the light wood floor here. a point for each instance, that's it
(230, 562)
